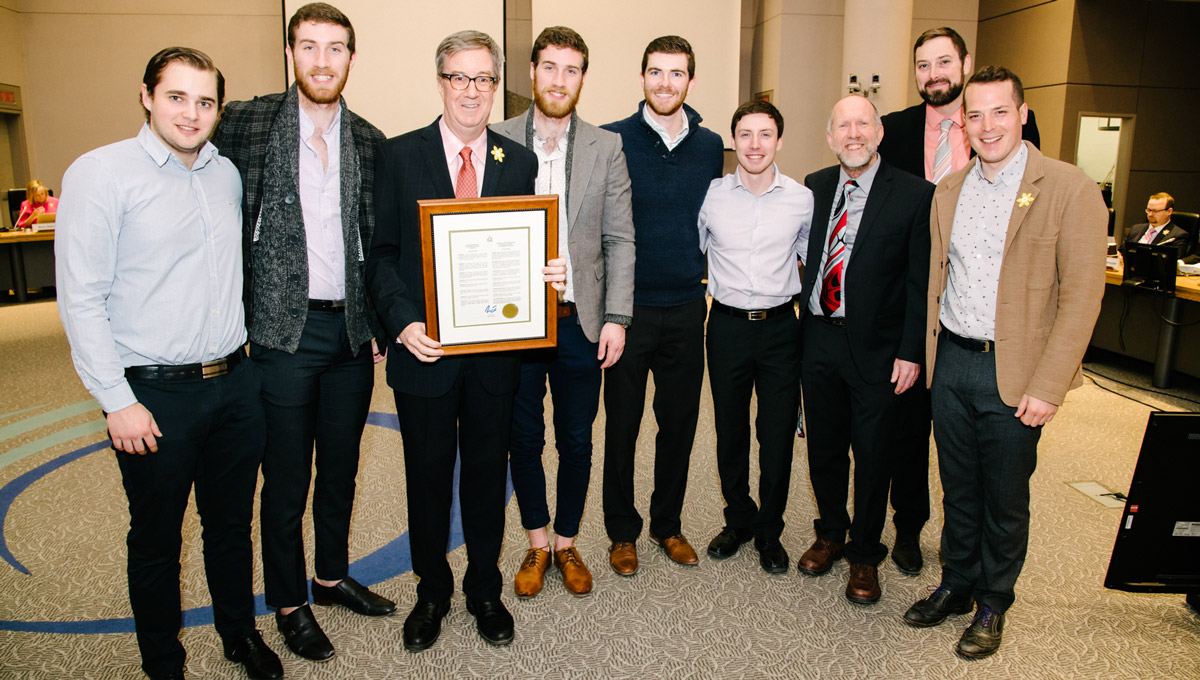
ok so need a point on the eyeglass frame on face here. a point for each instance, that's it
(466, 81)
(1157, 210)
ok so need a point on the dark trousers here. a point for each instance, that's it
(320, 394)
(212, 440)
(668, 341)
(476, 424)
(843, 411)
(910, 460)
(762, 356)
(574, 374)
(986, 457)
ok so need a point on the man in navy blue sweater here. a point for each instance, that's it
(671, 162)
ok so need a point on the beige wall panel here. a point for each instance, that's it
(1107, 42)
(1091, 100)
(833, 8)
(993, 8)
(1035, 43)
(613, 89)
(879, 43)
(1048, 104)
(1184, 186)
(1170, 59)
(810, 83)
(946, 10)
(519, 37)
(148, 7)
(393, 83)
(93, 70)
(12, 61)
(1164, 142)
(764, 57)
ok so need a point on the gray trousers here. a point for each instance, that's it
(986, 457)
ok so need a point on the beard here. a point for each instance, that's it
(858, 159)
(941, 98)
(326, 95)
(655, 105)
(552, 108)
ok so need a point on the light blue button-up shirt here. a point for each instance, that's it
(149, 262)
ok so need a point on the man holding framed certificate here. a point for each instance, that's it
(448, 405)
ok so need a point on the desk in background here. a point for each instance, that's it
(14, 241)
(1149, 331)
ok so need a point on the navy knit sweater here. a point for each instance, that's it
(668, 190)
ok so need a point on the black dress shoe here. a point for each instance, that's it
(982, 637)
(906, 553)
(424, 625)
(773, 558)
(934, 609)
(249, 650)
(303, 636)
(492, 620)
(353, 596)
(173, 675)
(725, 544)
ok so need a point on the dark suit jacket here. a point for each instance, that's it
(888, 269)
(410, 168)
(903, 142)
(1169, 232)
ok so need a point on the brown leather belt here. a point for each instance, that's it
(169, 373)
(566, 309)
(326, 305)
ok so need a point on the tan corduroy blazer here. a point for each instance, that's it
(1051, 280)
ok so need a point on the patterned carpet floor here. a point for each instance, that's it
(66, 615)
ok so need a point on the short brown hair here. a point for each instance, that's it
(1162, 195)
(960, 45)
(671, 44)
(320, 13)
(559, 36)
(757, 106)
(999, 74)
(186, 55)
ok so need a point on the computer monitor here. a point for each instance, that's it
(1151, 267)
(1158, 541)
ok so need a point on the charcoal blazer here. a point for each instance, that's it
(903, 142)
(1051, 278)
(887, 273)
(1170, 232)
(410, 168)
(599, 224)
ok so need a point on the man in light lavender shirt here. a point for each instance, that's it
(149, 274)
(753, 224)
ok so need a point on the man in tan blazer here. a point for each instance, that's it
(585, 166)
(1015, 281)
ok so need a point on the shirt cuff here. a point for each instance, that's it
(115, 398)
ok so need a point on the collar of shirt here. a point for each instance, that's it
(864, 180)
(933, 119)
(160, 154)
(734, 179)
(452, 146)
(1010, 174)
(307, 127)
(540, 145)
(662, 131)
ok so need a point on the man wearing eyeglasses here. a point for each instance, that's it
(307, 163)
(456, 406)
(1158, 229)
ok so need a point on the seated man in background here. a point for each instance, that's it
(1159, 230)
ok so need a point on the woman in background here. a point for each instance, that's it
(38, 201)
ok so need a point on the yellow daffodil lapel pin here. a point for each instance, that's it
(1025, 200)
(498, 154)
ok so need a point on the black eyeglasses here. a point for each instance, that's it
(460, 81)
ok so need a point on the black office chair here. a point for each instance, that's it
(1189, 222)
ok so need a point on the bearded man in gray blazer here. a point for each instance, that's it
(585, 166)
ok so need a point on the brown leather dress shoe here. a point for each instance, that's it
(622, 556)
(820, 557)
(863, 586)
(529, 578)
(678, 549)
(576, 577)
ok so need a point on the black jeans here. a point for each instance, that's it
(668, 342)
(320, 394)
(213, 440)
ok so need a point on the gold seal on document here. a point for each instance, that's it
(509, 311)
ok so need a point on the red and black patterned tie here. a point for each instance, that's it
(835, 258)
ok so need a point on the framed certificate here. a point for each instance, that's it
(482, 262)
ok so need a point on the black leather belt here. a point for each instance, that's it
(754, 314)
(169, 373)
(326, 305)
(838, 321)
(970, 343)
(566, 309)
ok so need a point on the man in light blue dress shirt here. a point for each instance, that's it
(149, 275)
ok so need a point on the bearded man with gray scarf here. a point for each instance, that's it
(307, 164)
